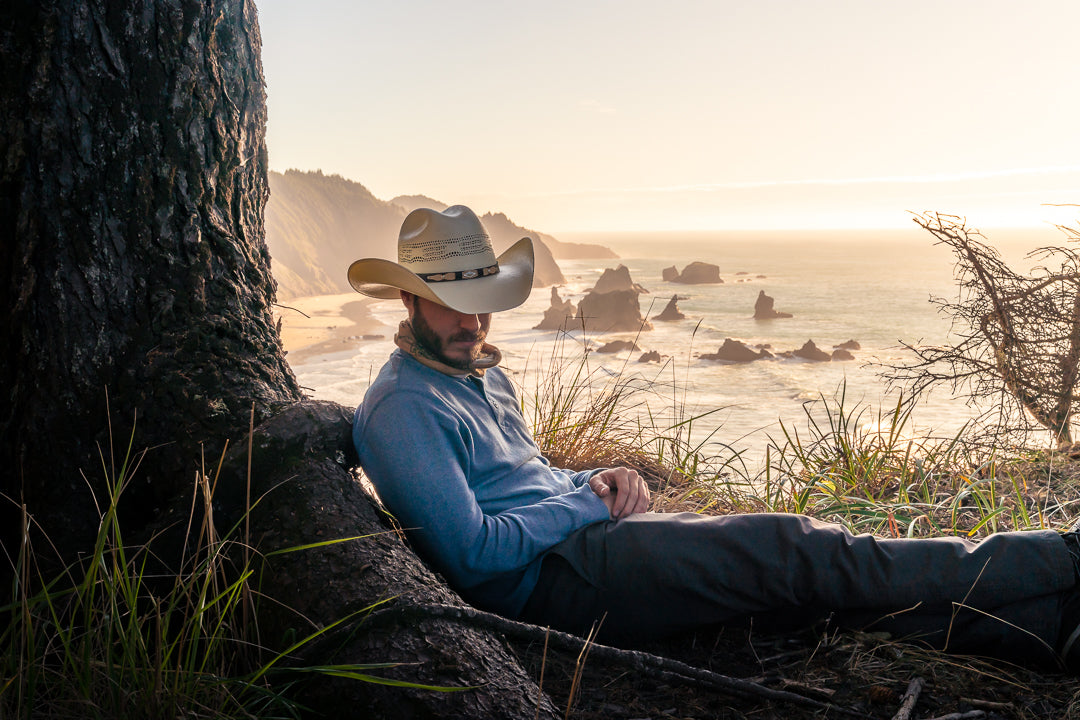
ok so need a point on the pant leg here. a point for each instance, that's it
(657, 574)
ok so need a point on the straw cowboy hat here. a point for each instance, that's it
(446, 257)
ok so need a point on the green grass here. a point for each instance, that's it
(845, 464)
(870, 474)
(113, 636)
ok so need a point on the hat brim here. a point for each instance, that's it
(507, 289)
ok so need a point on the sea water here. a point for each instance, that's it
(874, 287)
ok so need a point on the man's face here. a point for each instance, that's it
(453, 337)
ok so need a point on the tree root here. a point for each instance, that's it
(657, 666)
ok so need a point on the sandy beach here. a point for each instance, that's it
(322, 324)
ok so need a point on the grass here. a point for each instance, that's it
(848, 464)
(844, 463)
(110, 636)
(582, 417)
(114, 635)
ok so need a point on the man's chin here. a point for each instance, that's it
(461, 361)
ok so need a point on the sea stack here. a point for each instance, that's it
(612, 304)
(559, 315)
(671, 311)
(763, 308)
(698, 273)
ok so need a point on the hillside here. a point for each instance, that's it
(316, 225)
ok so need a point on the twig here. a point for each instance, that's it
(664, 668)
(969, 715)
(988, 704)
(287, 307)
(579, 667)
(911, 696)
(540, 683)
(807, 690)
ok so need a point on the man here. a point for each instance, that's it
(442, 438)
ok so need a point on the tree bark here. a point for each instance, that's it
(306, 495)
(136, 283)
(133, 265)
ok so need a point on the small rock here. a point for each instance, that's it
(617, 346)
(812, 352)
(736, 351)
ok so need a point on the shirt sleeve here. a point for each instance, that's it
(417, 455)
(577, 477)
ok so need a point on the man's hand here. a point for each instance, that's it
(622, 490)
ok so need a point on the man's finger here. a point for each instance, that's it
(643, 498)
(599, 486)
(625, 497)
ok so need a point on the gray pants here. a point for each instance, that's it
(656, 575)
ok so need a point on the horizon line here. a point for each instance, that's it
(808, 228)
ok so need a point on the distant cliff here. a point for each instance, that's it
(316, 225)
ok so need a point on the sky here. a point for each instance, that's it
(598, 115)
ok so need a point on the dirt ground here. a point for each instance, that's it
(821, 673)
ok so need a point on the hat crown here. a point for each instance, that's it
(450, 241)
(446, 257)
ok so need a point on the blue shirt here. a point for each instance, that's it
(454, 461)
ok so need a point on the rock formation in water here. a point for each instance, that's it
(617, 278)
(650, 356)
(669, 274)
(615, 311)
(810, 351)
(849, 345)
(698, 273)
(763, 308)
(560, 315)
(736, 351)
(671, 311)
(841, 354)
(612, 305)
(617, 346)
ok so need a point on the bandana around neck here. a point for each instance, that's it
(404, 339)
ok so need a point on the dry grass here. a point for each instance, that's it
(843, 467)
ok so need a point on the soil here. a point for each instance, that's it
(838, 674)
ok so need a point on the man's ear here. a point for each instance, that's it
(408, 300)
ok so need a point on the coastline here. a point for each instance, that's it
(323, 324)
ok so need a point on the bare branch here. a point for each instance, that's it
(1017, 336)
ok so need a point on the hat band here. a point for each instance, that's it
(460, 274)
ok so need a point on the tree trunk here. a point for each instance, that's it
(134, 267)
(136, 284)
(305, 496)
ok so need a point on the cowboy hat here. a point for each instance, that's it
(446, 257)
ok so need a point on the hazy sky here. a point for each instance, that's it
(677, 114)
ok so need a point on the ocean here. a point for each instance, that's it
(871, 286)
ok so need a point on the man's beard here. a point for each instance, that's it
(427, 337)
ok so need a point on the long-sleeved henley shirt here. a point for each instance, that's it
(454, 461)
